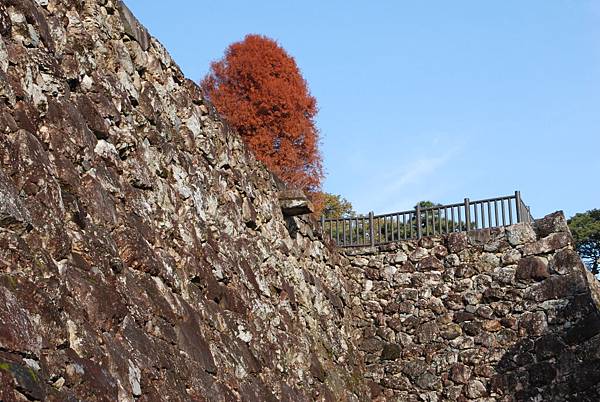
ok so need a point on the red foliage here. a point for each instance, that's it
(259, 90)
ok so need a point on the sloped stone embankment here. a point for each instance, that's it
(144, 255)
(143, 252)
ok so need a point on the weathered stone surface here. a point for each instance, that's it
(504, 311)
(460, 373)
(294, 202)
(565, 261)
(520, 234)
(451, 331)
(391, 352)
(557, 287)
(418, 254)
(5, 22)
(533, 323)
(143, 250)
(552, 223)
(535, 268)
(145, 255)
(552, 242)
(475, 389)
(430, 263)
(93, 119)
(457, 242)
(13, 214)
(132, 27)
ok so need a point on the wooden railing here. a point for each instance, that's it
(373, 230)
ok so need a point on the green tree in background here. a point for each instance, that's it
(335, 206)
(427, 204)
(392, 229)
(585, 228)
(434, 220)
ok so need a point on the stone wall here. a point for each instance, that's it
(506, 314)
(144, 255)
(143, 252)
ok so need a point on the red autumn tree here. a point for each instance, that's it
(259, 90)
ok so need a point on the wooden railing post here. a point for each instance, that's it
(467, 214)
(323, 225)
(418, 212)
(518, 202)
(371, 229)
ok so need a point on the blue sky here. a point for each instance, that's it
(432, 100)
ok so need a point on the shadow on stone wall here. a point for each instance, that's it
(560, 357)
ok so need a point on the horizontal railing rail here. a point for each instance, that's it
(374, 230)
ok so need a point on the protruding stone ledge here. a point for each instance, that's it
(294, 202)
